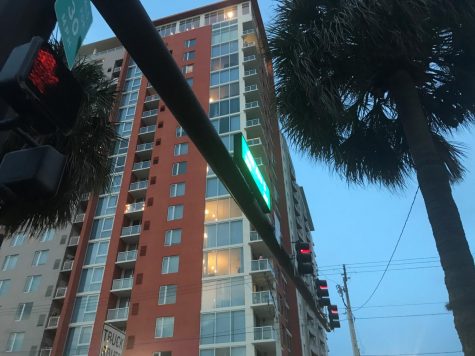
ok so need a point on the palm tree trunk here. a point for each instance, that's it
(433, 178)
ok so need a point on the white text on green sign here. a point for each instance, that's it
(255, 172)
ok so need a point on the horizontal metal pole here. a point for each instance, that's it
(144, 44)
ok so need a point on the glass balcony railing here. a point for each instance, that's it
(60, 292)
(252, 105)
(141, 165)
(151, 97)
(73, 241)
(248, 31)
(147, 129)
(130, 230)
(53, 322)
(141, 184)
(250, 88)
(46, 351)
(144, 146)
(134, 207)
(254, 141)
(79, 218)
(250, 72)
(126, 256)
(149, 113)
(255, 236)
(118, 314)
(67, 265)
(249, 44)
(263, 297)
(262, 264)
(249, 58)
(253, 122)
(122, 283)
(262, 333)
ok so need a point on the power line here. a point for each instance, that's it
(373, 262)
(394, 251)
(400, 316)
(402, 305)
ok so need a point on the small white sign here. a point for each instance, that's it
(112, 341)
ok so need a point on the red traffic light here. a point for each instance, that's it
(322, 288)
(304, 257)
(334, 310)
(40, 88)
(333, 316)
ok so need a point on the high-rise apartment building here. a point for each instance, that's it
(166, 255)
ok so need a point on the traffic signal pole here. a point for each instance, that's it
(144, 44)
(351, 323)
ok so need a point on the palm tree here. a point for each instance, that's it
(87, 150)
(373, 87)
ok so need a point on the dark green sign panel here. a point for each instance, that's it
(248, 167)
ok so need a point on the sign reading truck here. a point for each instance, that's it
(112, 341)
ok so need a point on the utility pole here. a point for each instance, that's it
(354, 342)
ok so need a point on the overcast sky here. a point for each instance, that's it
(359, 226)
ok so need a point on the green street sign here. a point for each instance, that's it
(247, 165)
(74, 20)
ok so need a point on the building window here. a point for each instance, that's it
(215, 188)
(189, 24)
(23, 311)
(223, 92)
(222, 327)
(85, 308)
(227, 124)
(224, 107)
(9, 262)
(32, 284)
(179, 168)
(188, 56)
(223, 234)
(106, 205)
(224, 76)
(15, 342)
(222, 293)
(120, 147)
(167, 30)
(175, 212)
(190, 43)
(40, 258)
(233, 351)
(170, 264)
(224, 49)
(245, 8)
(180, 149)
(173, 237)
(96, 253)
(101, 228)
(187, 69)
(179, 130)
(91, 279)
(164, 327)
(222, 262)
(189, 81)
(177, 189)
(220, 15)
(227, 61)
(4, 286)
(162, 353)
(167, 295)
(47, 236)
(221, 209)
(78, 340)
(115, 184)
(117, 164)
(18, 240)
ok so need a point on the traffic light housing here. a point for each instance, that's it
(333, 316)
(304, 257)
(40, 88)
(322, 288)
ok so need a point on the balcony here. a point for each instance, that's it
(46, 351)
(261, 270)
(134, 210)
(263, 304)
(60, 292)
(144, 150)
(147, 133)
(53, 322)
(151, 98)
(130, 234)
(138, 189)
(126, 259)
(67, 266)
(73, 241)
(118, 317)
(256, 146)
(264, 339)
(141, 169)
(149, 117)
(251, 92)
(122, 286)
(79, 218)
(252, 109)
(249, 48)
(253, 127)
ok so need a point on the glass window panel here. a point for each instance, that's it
(233, 46)
(236, 260)
(208, 295)
(223, 327)
(222, 262)
(224, 125)
(224, 76)
(238, 326)
(223, 234)
(234, 89)
(210, 236)
(223, 294)
(237, 291)
(236, 232)
(234, 105)
(207, 328)
(233, 74)
(235, 123)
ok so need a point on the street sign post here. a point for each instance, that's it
(74, 20)
(247, 165)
